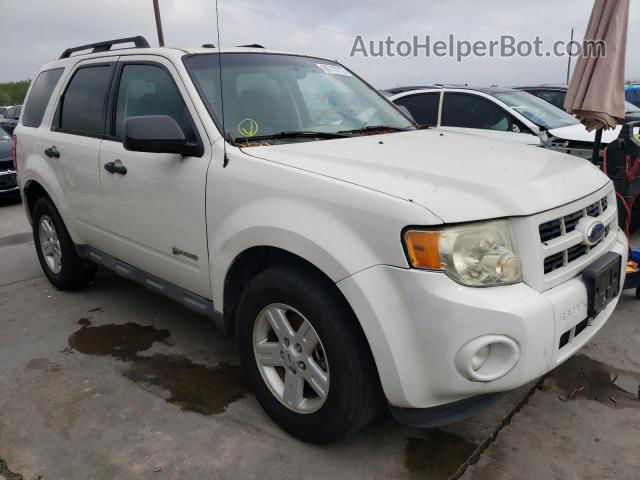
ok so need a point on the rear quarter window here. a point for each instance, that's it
(40, 96)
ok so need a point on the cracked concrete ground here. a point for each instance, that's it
(114, 382)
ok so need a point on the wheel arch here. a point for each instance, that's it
(252, 261)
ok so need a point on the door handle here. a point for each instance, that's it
(52, 152)
(111, 167)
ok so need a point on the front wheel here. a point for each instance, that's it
(307, 358)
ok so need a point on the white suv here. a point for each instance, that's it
(355, 257)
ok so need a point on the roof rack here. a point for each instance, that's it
(139, 41)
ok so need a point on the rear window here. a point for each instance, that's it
(83, 105)
(39, 97)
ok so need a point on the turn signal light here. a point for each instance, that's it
(423, 249)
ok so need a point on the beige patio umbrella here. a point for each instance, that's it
(596, 90)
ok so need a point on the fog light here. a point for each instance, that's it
(480, 358)
(487, 358)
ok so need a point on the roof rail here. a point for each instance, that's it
(253, 45)
(139, 41)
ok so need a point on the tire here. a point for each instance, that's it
(353, 396)
(66, 270)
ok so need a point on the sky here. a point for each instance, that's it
(41, 29)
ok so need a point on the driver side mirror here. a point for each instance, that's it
(155, 134)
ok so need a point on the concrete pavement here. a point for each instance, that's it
(115, 382)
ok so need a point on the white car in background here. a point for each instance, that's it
(500, 113)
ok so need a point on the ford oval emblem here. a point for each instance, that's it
(595, 233)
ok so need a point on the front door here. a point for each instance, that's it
(156, 210)
(473, 114)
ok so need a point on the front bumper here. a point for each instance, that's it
(417, 322)
(8, 183)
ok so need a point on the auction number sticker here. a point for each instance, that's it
(333, 69)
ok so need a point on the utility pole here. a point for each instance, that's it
(569, 67)
(156, 8)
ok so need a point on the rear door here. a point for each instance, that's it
(470, 113)
(156, 210)
(72, 144)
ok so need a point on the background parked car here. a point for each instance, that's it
(2, 110)
(555, 95)
(632, 94)
(501, 113)
(8, 181)
(10, 118)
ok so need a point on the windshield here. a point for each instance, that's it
(4, 136)
(270, 94)
(539, 111)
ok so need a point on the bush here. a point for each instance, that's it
(13, 93)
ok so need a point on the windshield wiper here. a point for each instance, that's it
(292, 134)
(375, 128)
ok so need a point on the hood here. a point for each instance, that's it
(457, 177)
(578, 133)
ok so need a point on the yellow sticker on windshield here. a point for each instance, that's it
(248, 127)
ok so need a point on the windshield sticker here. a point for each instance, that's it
(248, 127)
(333, 69)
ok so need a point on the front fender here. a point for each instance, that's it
(340, 228)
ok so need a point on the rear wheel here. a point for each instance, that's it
(306, 356)
(56, 251)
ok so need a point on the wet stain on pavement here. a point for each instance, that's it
(436, 456)
(123, 342)
(194, 387)
(6, 473)
(582, 377)
(42, 364)
(37, 364)
(17, 239)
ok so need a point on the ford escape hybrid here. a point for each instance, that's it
(359, 261)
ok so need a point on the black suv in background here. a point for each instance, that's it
(8, 181)
(10, 120)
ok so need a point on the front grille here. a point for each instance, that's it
(567, 224)
(6, 165)
(560, 229)
(566, 337)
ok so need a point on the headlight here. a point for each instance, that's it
(478, 255)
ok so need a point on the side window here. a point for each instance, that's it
(423, 107)
(83, 105)
(40, 96)
(10, 113)
(150, 90)
(470, 111)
